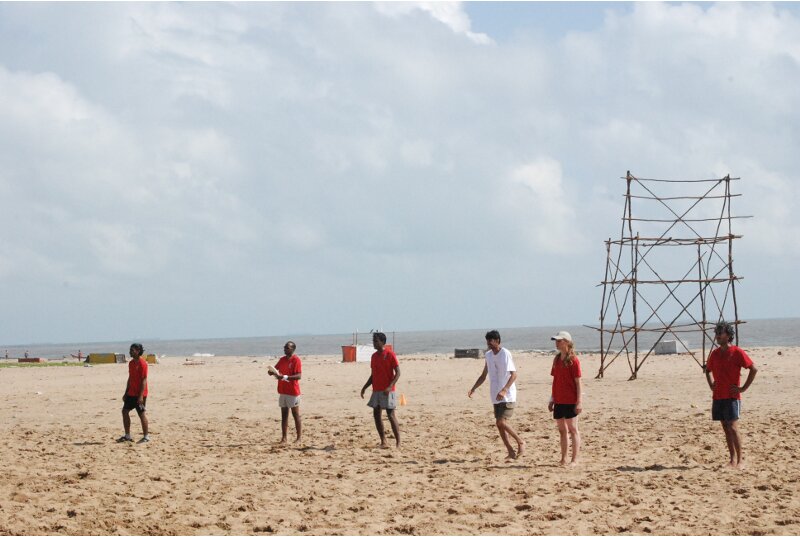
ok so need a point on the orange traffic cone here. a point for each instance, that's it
(402, 399)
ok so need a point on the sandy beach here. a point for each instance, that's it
(653, 461)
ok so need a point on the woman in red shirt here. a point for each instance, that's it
(565, 402)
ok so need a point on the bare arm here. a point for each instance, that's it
(579, 388)
(367, 385)
(394, 380)
(479, 381)
(708, 377)
(750, 376)
(511, 379)
(296, 376)
(142, 389)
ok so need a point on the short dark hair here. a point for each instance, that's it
(380, 335)
(726, 327)
(493, 334)
(138, 347)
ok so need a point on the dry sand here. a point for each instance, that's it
(653, 461)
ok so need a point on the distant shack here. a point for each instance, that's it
(467, 353)
(115, 358)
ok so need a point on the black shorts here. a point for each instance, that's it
(131, 402)
(564, 412)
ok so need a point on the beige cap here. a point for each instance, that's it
(562, 335)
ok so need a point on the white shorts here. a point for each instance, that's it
(288, 401)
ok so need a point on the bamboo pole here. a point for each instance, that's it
(602, 310)
(634, 271)
(702, 300)
(730, 260)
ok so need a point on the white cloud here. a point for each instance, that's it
(418, 153)
(538, 204)
(451, 14)
(205, 143)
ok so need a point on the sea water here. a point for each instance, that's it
(754, 333)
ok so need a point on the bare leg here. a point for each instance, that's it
(376, 414)
(501, 427)
(126, 422)
(562, 432)
(395, 426)
(284, 424)
(575, 435)
(729, 440)
(298, 424)
(517, 439)
(143, 419)
(737, 443)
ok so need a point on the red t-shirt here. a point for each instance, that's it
(565, 390)
(137, 370)
(383, 364)
(289, 366)
(726, 368)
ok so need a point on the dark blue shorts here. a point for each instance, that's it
(726, 409)
(564, 412)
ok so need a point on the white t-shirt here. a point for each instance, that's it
(500, 366)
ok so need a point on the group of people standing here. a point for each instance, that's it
(565, 402)
(722, 369)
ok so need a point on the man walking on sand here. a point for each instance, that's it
(502, 390)
(289, 371)
(135, 395)
(385, 374)
(725, 364)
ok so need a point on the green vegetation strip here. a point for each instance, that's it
(43, 364)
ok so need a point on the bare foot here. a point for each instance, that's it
(741, 465)
(297, 440)
(511, 455)
(562, 462)
(282, 442)
(520, 449)
(384, 446)
(572, 464)
(732, 464)
(397, 446)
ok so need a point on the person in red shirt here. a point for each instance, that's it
(385, 373)
(725, 364)
(289, 371)
(135, 395)
(565, 401)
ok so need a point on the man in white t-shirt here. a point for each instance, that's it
(502, 390)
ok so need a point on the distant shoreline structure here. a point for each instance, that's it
(754, 333)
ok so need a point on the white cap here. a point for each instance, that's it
(562, 335)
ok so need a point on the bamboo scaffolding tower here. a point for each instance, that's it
(630, 302)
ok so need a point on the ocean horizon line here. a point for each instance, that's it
(754, 332)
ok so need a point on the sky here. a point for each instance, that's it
(203, 170)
